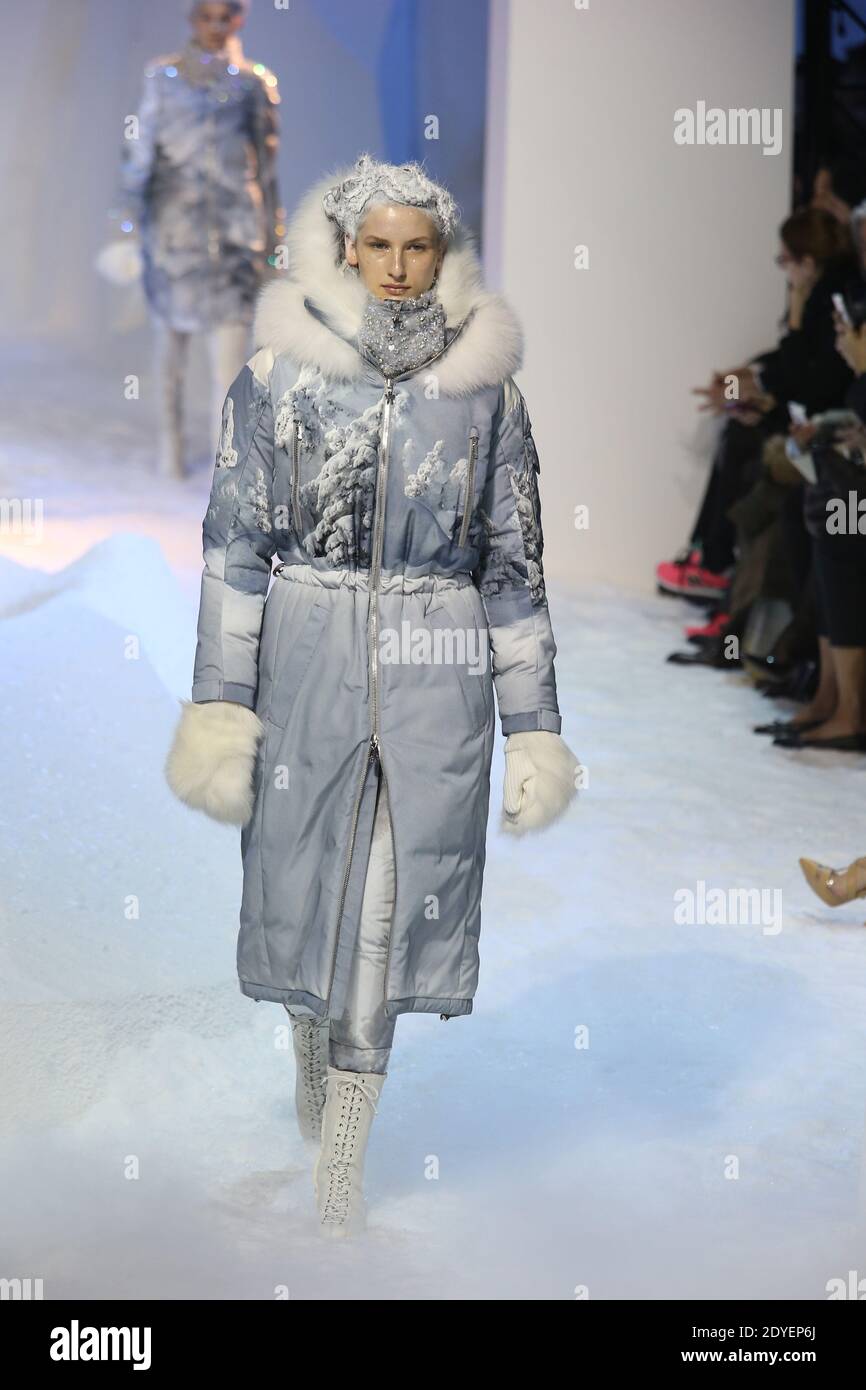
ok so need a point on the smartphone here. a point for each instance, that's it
(797, 413)
(842, 309)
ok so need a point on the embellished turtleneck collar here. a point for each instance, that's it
(202, 66)
(401, 335)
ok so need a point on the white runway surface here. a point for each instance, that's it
(707, 1141)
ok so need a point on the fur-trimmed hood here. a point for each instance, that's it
(312, 313)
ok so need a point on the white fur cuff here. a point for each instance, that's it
(211, 761)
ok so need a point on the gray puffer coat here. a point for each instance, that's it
(405, 518)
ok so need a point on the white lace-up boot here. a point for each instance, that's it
(310, 1041)
(350, 1105)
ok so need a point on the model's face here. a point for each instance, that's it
(800, 273)
(398, 252)
(212, 23)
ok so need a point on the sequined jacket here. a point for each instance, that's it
(198, 182)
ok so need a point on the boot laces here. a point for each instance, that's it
(310, 1059)
(352, 1093)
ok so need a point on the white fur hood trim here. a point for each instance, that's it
(487, 351)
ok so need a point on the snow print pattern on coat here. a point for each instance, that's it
(337, 501)
(331, 648)
(227, 456)
(436, 481)
(506, 566)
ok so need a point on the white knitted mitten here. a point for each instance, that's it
(539, 780)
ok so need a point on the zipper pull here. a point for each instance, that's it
(374, 743)
(389, 389)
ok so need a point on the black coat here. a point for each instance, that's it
(805, 366)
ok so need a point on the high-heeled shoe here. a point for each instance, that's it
(710, 653)
(799, 684)
(841, 743)
(787, 726)
(836, 886)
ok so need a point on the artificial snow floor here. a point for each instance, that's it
(705, 1136)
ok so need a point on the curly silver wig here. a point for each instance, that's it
(242, 6)
(376, 182)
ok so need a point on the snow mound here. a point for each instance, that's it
(127, 580)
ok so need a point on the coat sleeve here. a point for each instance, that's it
(510, 578)
(139, 153)
(238, 543)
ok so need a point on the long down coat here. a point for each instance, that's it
(404, 517)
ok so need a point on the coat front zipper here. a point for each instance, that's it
(375, 572)
(376, 556)
(296, 475)
(372, 653)
(376, 543)
(469, 500)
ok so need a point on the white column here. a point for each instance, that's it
(680, 241)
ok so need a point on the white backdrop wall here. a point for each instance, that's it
(681, 239)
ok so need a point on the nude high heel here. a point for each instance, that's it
(836, 886)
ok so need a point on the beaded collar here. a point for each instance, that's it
(402, 335)
(201, 67)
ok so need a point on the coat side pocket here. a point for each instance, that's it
(482, 659)
(470, 678)
(299, 644)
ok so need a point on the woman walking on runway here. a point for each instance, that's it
(200, 192)
(377, 446)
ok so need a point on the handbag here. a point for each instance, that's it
(837, 474)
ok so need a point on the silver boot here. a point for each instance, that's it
(310, 1041)
(350, 1105)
